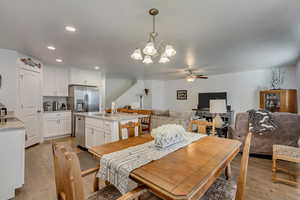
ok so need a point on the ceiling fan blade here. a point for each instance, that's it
(201, 76)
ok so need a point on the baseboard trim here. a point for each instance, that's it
(57, 137)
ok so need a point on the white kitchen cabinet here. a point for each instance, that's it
(62, 81)
(99, 136)
(12, 156)
(93, 136)
(49, 84)
(55, 81)
(99, 131)
(57, 124)
(51, 127)
(85, 77)
(89, 137)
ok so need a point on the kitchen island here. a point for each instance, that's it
(12, 153)
(95, 128)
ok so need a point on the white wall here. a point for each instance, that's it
(8, 71)
(115, 88)
(130, 97)
(156, 97)
(242, 89)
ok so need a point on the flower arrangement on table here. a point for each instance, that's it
(168, 135)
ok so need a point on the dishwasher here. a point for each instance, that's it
(80, 131)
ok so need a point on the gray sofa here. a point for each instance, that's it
(159, 118)
(288, 132)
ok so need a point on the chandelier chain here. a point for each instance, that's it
(153, 29)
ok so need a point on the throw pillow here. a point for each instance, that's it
(261, 121)
(161, 113)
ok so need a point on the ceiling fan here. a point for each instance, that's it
(191, 76)
(189, 73)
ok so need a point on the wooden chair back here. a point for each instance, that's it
(145, 121)
(69, 183)
(201, 126)
(131, 127)
(241, 184)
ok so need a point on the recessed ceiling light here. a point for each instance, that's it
(51, 48)
(97, 67)
(70, 28)
(58, 60)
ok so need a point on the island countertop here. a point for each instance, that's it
(110, 117)
(11, 123)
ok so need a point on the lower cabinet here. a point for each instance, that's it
(94, 136)
(12, 156)
(99, 131)
(51, 127)
(56, 124)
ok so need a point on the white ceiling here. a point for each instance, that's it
(220, 36)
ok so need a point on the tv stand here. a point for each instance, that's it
(226, 117)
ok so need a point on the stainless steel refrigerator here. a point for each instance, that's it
(82, 99)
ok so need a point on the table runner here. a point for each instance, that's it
(116, 167)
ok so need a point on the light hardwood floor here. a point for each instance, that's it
(40, 185)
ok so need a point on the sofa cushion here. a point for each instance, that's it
(157, 121)
(184, 115)
(161, 113)
(241, 120)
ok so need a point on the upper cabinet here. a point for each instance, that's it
(55, 81)
(85, 77)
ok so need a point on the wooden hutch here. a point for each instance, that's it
(279, 100)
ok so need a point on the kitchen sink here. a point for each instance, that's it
(106, 115)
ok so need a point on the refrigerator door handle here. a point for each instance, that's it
(86, 102)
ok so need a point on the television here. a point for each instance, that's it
(204, 98)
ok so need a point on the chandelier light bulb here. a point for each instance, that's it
(190, 79)
(137, 54)
(164, 59)
(147, 60)
(170, 51)
(149, 49)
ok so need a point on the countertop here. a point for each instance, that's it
(57, 111)
(110, 117)
(10, 124)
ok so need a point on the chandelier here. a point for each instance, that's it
(154, 48)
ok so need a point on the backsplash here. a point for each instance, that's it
(48, 103)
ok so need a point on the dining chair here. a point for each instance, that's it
(131, 128)
(145, 121)
(69, 180)
(201, 126)
(229, 190)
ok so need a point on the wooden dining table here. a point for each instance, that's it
(184, 174)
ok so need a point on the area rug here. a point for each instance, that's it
(87, 161)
